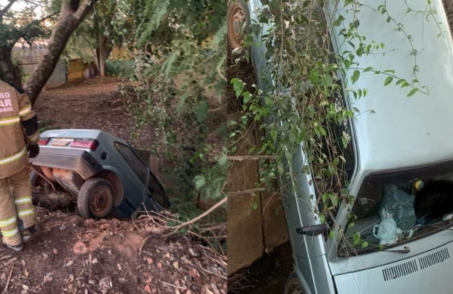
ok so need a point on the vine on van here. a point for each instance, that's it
(306, 101)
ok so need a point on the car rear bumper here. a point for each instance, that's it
(78, 160)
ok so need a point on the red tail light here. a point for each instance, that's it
(86, 144)
(43, 141)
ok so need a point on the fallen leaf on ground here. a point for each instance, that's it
(47, 278)
(69, 263)
(149, 260)
(159, 265)
(194, 252)
(206, 290)
(10, 261)
(176, 264)
(147, 289)
(194, 273)
(55, 251)
(80, 248)
(105, 283)
(70, 279)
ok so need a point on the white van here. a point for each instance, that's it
(402, 140)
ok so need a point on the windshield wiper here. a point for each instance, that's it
(405, 250)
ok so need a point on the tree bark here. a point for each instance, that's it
(72, 13)
(8, 71)
(102, 57)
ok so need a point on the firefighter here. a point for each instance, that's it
(19, 137)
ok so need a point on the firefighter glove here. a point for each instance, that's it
(34, 150)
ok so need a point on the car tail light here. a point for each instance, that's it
(43, 141)
(86, 144)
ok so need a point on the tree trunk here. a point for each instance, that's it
(72, 13)
(8, 71)
(102, 57)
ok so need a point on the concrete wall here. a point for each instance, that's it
(256, 222)
(58, 77)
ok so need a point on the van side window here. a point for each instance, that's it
(135, 162)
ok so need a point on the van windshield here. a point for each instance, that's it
(397, 207)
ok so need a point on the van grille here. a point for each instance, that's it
(400, 270)
(434, 258)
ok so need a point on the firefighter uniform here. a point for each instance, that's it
(18, 135)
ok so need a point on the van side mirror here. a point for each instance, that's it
(314, 230)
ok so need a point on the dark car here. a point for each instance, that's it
(103, 173)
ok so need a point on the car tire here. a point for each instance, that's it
(95, 198)
(293, 285)
(238, 12)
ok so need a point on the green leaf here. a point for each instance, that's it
(274, 134)
(400, 81)
(238, 86)
(334, 200)
(388, 80)
(314, 75)
(332, 234)
(338, 21)
(414, 90)
(247, 97)
(200, 181)
(355, 76)
(365, 244)
(369, 68)
(255, 206)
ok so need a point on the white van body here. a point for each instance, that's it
(402, 135)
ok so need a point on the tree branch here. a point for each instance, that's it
(217, 205)
(22, 30)
(246, 192)
(7, 7)
(84, 8)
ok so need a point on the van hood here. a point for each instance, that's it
(426, 273)
(393, 130)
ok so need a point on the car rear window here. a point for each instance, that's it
(157, 191)
(135, 162)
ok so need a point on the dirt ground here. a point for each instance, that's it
(267, 275)
(89, 105)
(73, 255)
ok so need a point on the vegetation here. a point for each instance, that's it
(180, 63)
(303, 102)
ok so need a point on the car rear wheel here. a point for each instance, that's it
(95, 198)
(238, 18)
(293, 285)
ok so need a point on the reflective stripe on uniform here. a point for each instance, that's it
(10, 233)
(24, 111)
(14, 157)
(34, 137)
(26, 212)
(23, 200)
(8, 222)
(9, 121)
